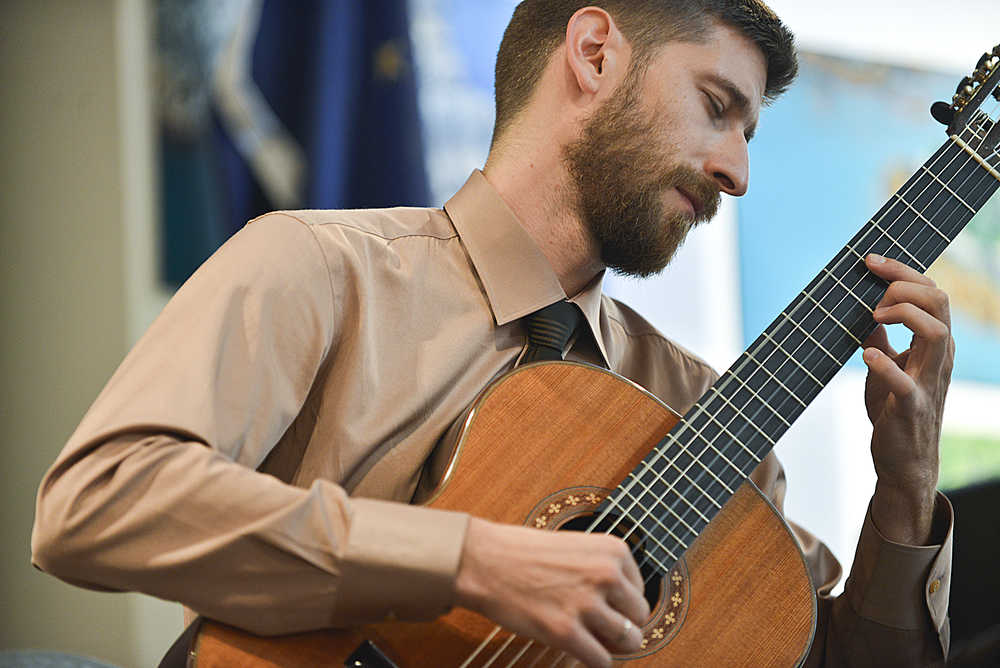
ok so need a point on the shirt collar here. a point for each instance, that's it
(515, 274)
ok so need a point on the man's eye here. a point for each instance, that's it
(717, 109)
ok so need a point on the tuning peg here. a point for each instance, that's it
(981, 65)
(965, 86)
(943, 112)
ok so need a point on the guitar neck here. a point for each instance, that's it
(689, 476)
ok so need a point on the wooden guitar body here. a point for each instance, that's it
(543, 446)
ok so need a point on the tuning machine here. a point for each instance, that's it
(944, 113)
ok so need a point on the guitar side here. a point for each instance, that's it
(542, 446)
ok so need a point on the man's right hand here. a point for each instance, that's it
(569, 590)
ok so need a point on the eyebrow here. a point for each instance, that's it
(737, 99)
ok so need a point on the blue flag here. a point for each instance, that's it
(334, 81)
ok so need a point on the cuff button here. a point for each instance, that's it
(935, 586)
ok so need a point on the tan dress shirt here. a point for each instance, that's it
(333, 349)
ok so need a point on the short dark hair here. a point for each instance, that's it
(538, 27)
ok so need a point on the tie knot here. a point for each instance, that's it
(549, 330)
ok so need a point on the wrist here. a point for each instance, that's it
(904, 513)
(469, 590)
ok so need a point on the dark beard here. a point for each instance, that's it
(620, 178)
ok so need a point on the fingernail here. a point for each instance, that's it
(876, 259)
(870, 355)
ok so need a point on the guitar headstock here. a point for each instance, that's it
(967, 113)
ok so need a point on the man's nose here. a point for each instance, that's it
(729, 165)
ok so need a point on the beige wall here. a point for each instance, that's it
(75, 202)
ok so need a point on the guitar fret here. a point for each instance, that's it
(638, 501)
(810, 337)
(787, 354)
(750, 452)
(680, 541)
(855, 251)
(682, 449)
(776, 379)
(704, 468)
(978, 158)
(923, 218)
(658, 456)
(849, 291)
(939, 208)
(683, 473)
(757, 397)
(679, 494)
(695, 458)
(899, 245)
(635, 502)
(836, 320)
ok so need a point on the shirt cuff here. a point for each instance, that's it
(899, 585)
(400, 562)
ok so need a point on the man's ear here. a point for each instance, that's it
(595, 49)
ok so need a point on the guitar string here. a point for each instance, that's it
(850, 292)
(528, 645)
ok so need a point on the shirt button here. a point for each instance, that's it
(935, 586)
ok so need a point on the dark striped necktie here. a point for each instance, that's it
(549, 330)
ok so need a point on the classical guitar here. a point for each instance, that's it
(724, 576)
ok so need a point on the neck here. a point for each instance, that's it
(534, 184)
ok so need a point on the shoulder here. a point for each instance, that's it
(357, 241)
(377, 225)
(641, 353)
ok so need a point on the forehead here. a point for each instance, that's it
(723, 55)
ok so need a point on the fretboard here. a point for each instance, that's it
(689, 476)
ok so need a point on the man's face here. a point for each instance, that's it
(651, 162)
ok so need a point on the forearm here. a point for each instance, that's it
(904, 514)
(182, 522)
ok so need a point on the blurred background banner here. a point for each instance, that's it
(270, 105)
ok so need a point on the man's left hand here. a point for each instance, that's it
(904, 395)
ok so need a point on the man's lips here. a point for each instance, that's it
(692, 201)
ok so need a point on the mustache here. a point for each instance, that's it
(701, 190)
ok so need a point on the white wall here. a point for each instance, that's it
(76, 241)
(942, 36)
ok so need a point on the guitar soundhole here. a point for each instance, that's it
(652, 575)
(667, 592)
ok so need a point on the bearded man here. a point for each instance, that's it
(255, 454)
